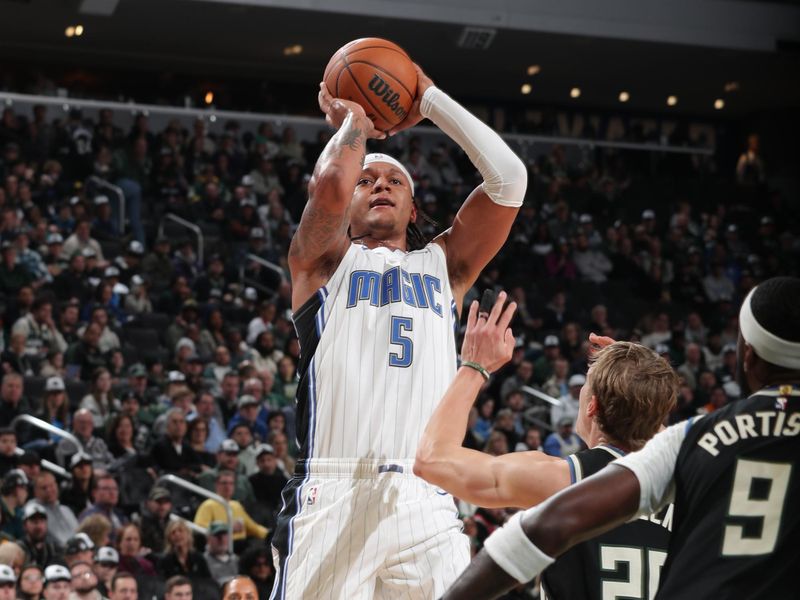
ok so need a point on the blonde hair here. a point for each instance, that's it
(97, 527)
(635, 390)
(172, 526)
(12, 554)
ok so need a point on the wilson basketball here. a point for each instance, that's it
(378, 75)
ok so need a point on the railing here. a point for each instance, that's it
(189, 225)
(190, 524)
(49, 466)
(541, 395)
(37, 423)
(201, 491)
(264, 263)
(117, 191)
(310, 123)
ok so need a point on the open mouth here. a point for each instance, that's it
(381, 201)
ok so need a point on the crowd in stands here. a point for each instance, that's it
(159, 363)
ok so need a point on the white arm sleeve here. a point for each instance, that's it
(505, 177)
(654, 466)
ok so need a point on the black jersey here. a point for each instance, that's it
(624, 563)
(737, 503)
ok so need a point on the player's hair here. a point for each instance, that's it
(776, 307)
(635, 390)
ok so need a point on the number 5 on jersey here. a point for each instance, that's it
(405, 354)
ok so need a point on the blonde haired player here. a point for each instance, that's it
(375, 308)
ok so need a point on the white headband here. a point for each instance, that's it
(768, 346)
(385, 158)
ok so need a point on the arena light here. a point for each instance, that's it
(672, 100)
(575, 92)
(719, 104)
(69, 31)
(209, 97)
(213, 118)
(731, 86)
(293, 50)
(533, 70)
(624, 96)
(78, 30)
(526, 88)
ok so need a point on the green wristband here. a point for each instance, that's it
(477, 367)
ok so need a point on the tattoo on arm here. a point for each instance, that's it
(352, 139)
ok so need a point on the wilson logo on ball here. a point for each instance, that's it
(387, 95)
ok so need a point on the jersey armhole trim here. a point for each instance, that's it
(575, 471)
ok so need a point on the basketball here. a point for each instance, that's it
(377, 74)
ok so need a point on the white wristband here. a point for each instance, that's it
(505, 177)
(513, 552)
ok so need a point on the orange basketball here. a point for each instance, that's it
(378, 75)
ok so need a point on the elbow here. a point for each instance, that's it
(425, 464)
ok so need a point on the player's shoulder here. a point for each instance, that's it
(587, 462)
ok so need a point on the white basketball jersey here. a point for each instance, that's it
(377, 354)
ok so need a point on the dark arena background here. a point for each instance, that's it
(155, 159)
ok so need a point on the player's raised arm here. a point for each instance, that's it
(321, 239)
(640, 483)
(530, 541)
(519, 479)
(484, 220)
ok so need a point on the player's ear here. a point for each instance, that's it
(591, 407)
(749, 358)
(413, 211)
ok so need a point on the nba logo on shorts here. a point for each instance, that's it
(312, 496)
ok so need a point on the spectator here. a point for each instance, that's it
(84, 582)
(157, 266)
(95, 447)
(105, 496)
(37, 548)
(15, 358)
(8, 450)
(61, 521)
(12, 401)
(690, 370)
(79, 548)
(221, 562)
(8, 582)
(86, 353)
(138, 302)
(228, 460)
(280, 442)
(106, 561)
(80, 240)
(57, 583)
(568, 408)
(123, 587)
(750, 167)
(661, 333)
(172, 453)
(155, 517)
(531, 441)
(564, 441)
(248, 415)
(131, 559)
(256, 563)
(76, 496)
(592, 264)
(557, 384)
(31, 582)
(13, 494)
(523, 377)
(180, 558)
(41, 333)
(211, 510)
(100, 401)
(229, 396)
(178, 588)
(13, 275)
(268, 483)
(108, 340)
(544, 365)
(496, 443)
(55, 409)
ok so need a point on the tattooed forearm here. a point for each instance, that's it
(352, 139)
